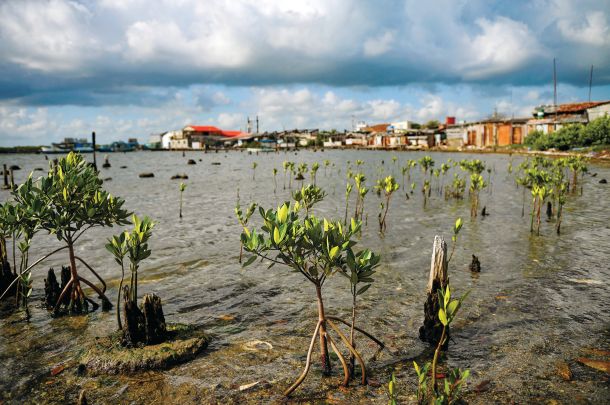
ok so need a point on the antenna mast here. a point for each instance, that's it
(590, 82)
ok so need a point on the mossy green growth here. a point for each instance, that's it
(107, 356)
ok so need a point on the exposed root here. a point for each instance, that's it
(94, 273)
(365, 333)
(341, 359)
(307, 364)
(351, 349)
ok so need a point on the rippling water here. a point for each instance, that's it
(538, 302)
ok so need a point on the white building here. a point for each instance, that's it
(167, 138)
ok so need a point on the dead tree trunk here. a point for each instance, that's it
(145, 325)
(52, 290)
(7, 278)
(432, 328)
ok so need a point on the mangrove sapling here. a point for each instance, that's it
(254, 166)
(274, 180)
(117, 246)
(444, 169)
(348, 191)
(315, 248)
(410, 164)
(8, 277)
(67, 203)
(286, 166)
(426, 163)
(307, 196)
(243, 221)
(359, 180)
(540, 193)
(388, 185)
(314, 170)
(326, 164)
(455, 378)
(476, 185)
(426, 191)
(182, 187)
(146, 327)
(457, 227)
(392, 394)
(361, 268)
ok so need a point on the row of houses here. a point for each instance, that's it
(490, 132)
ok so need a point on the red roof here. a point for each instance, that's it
(231, 134)
(199, 128)
(576, 107)
(376, 128)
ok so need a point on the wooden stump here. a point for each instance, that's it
(145, 325)
(432, 328)
(52, 290)
(154, 321)
(6, 279)
(475, 265)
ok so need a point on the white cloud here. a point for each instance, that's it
(378, 45)
(593, 30)
(231, 121)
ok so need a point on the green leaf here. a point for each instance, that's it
(362, 290)
(333, 252)
(282, 214)
(276, 236)
(442, 316)
(248, 262)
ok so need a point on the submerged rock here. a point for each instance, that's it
(146, 175)
(191, 162)
(180, 176)
(603, 181)
(14, 167)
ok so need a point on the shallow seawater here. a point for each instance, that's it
(538, 302)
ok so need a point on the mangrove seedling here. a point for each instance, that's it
(457, 227)
(254, 165)
(314, 170)
(182, 187)
(426, 163)
(476, 185)
(392, 394)
(361, 268)
(117, 246)
(286, 166)
(243, 221)
(326, 164)
(359, 180)
(348, 191)
(455, 378)
(388, 185)
(274, 180)
(67, 203)
(139, 327)
(307, 196)
(426, 191)
(317, 249)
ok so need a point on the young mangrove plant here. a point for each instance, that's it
(254, 166)
(388, 185)
(286, 166)
(476, 185)
(457, 188)
(182, 187)
(326, 164)
(426, 163)
(392, 394)
(274, 180)
(145, 325)
(454, 378)
(68, 202)
(243, 221)
(426, 191)
(307, 196)
(314, 170)
(348, 191)
(316, 248)
(362, 190)
(361, 268)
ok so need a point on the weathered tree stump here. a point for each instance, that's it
(549, 210)
(475, 265)
(144, 325)
(7, 277)
(432, 328)
(52, 290)
(154, 321)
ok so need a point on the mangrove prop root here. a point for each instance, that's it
(346, 371)
(365, 333)
(106, 305)
(350, 348)
(94, 273)
(307, 363)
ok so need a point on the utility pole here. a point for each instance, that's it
(257, 124)
(555, 92)
(590, 82)
(94, 160)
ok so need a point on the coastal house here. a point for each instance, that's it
(495, 131)
(549, 118)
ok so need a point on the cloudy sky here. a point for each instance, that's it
(129, 68)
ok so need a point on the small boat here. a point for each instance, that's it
(69, 145)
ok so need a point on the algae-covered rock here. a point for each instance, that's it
(107, 356)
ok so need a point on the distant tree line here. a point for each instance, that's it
(596, 133)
